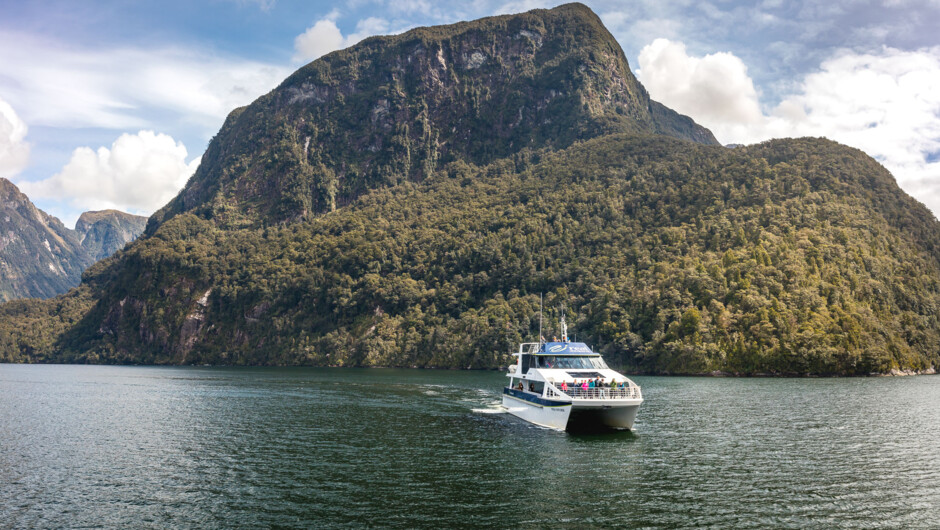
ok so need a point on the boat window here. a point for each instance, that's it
(535, 386)
(567, 362)
(526, 360)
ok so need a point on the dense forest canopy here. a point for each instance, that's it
(405, 202)
(792, 256)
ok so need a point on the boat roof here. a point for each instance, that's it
(565, 348)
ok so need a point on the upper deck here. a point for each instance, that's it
(556, 348)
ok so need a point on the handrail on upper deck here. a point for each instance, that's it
(533, 347)
(630, 392)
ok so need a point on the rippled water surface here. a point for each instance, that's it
(227, 447)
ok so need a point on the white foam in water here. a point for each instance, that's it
(494, 408)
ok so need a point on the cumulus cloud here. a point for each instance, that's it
(411, 6)
(521, 6)
(325, 36)
(139, 173)
(59, 85)
(319, 39)
(14, 151)
(714, 89)
(885, 103)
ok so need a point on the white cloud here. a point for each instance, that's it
(410, 6)
(714, 89)
(58, 85)
(319, 39)
(325, 36)
(139, 173)
(886, 103)
(370, 26)
(14, 151)
(521, 6)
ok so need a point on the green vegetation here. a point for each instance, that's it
(404, 203)
(795, 256)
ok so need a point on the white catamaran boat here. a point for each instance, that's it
(566, 386)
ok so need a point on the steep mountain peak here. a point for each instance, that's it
(105, 232)
(7, 188)
(39, 256)
(397, 108)
(14, 200)
(10, 194)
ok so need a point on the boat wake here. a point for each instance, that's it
(489, 411)
(494, 407)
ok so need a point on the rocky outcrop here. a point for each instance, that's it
(900, 373)
(105, 232)
(40, 257)
(399, 108)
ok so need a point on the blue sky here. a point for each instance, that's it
(110, 104)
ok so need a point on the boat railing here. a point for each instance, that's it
(552, 391)
(529, 347)
(577, 392)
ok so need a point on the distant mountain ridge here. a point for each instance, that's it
(105, 232)
(40, 257)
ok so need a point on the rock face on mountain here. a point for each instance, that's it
(396, 109)
(406, 201)
(104, 233)
(41, 258)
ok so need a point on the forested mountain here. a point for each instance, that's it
(788, 257)
(396, 109)
(40, 257)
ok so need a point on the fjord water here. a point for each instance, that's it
(226, 447)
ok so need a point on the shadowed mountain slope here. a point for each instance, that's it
(794, 256)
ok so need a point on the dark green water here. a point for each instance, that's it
(219, 447)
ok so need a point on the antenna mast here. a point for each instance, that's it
(540, 318)
(564, 326)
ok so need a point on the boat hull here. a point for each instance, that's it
(587, 417)
(542, 412)
(576, 415)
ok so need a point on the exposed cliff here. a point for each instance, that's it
(396, 109)
(105, 232)
(40, 257)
